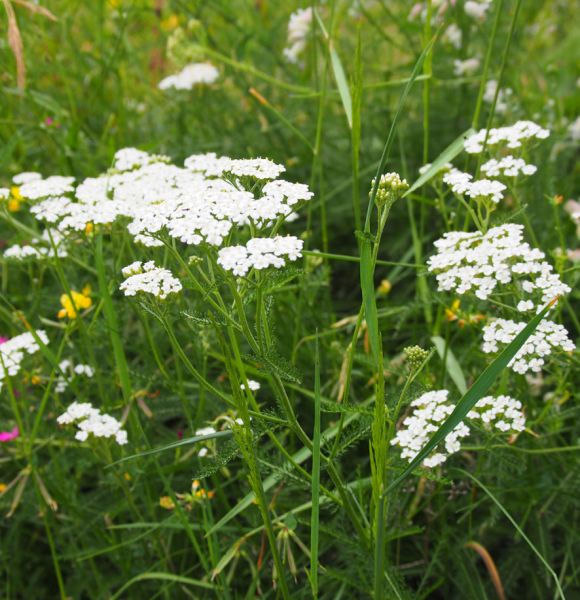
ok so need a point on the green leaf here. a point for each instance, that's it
(455, 148)
(338, 72)
(165, 577)
(185, 442)
(475, 392)
(451, 364)
(369, 300)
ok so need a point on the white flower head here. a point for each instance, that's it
(190, 76)
(90, 421)
(152, 280)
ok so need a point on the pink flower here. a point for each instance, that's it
(3, 339)
(8, 436)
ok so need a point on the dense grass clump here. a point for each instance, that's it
(289, 300)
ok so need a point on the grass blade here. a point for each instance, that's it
(451, 364)
(339, 75)
(185, 442)
(315, 514)
(165, 577)
(519, 530)
(475, 392)
(446, 156)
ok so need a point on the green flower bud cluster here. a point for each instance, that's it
(391, 188)
(415, 355)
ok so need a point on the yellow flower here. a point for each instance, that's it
(13, 205)
(3, 488)
(15, 192)
(166, 502)
(35, 380)
(384, 287)
(89, 228)
(170, 23)
(80, 301)
(451, 313)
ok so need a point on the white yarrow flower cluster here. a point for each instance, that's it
(547, 338)
(26, 177)
(68, 372)
(260, 253)
(479, 263)
(254, 386)
(503, 97)
(477, 9)
(502, 412)
(200, 203)
(90, 421)
(190, 76)
(299, 26)
(13, 352)
(508, 166)
(149, 279)
(462, 184)
(56, 185)
(469, 66)
(38, 248)
(430, 410)
(512, 136)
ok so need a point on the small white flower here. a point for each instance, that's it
(252, 385)
(469, 66)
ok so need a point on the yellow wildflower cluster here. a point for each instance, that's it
(15, 199)
(187, 501)
(454, 313)
(71, 305)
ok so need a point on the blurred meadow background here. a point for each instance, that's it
(78, 82)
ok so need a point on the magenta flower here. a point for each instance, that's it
(8, 436)
(3, 339)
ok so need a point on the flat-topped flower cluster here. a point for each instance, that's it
(504, 167)
(14, 351)
(149, 279)
(190, 76)
(200, 203)
(547, 338)
(90, 421)
(432, 408)
(481, 262)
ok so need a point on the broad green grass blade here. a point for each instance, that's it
(185, 442)
(367, 285)
(165, 577)
(455, 148)
(315, 515)
(451, 364)
(339, 74)
(475, 392)
(519, 530)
